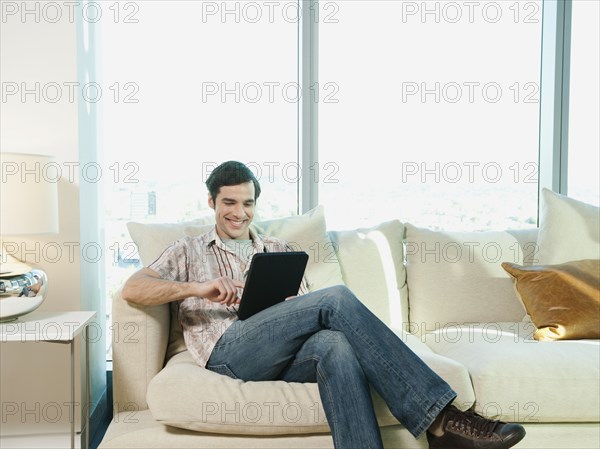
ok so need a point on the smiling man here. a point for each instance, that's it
(334, 341)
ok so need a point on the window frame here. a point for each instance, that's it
(554, 96)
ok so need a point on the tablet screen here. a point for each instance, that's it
(272, 278)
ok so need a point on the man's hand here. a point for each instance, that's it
(222, 290)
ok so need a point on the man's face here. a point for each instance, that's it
(234, 210)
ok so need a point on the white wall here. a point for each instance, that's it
(35, 376)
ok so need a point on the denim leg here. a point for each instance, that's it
(261, 347)
(328, 359)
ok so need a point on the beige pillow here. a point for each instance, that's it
(569, 230)
(152, 239)
(305, 232)
(562, 300)
(456, 277)
(372, 265)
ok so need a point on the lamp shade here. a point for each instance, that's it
(28, 194)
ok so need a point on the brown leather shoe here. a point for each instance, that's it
(468, 430)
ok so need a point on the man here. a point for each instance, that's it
(326, 336)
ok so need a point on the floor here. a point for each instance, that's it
(59, 440)
(42, 440)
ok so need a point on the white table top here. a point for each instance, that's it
(45, 326)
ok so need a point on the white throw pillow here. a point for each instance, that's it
(152, 239)
(372, 265)
(457, 277)
(305, 232)
(308, 232)
(569, 230)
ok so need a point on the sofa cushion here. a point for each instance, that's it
(305, 232)
(569, 230)
(562, 300)
(187, 396)
(308, 232)
(372, 265)
(140, 430)
(517, 378)
(457, 277)
(151, 239)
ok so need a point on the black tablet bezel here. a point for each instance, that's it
(272, 277)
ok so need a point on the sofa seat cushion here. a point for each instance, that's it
(140, 430)
(517, 378)
(187, 396)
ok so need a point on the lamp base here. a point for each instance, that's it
(21, 294)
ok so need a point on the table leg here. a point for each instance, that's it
(87, 388)
(73, 394)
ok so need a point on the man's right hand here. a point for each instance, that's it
(223, 290)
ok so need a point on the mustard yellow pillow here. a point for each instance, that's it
(562, 300)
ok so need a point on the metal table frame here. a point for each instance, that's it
(71, 324)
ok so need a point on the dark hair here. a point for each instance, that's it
(231, 173)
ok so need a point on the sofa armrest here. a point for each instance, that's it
(140, 338)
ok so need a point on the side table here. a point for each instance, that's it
(57, 327)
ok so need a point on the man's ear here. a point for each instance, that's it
(211, 202)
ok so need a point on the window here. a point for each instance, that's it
(194, 84)
(584, 103)
(436, 118)
(428, 112)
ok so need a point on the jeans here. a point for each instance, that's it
(331, 338)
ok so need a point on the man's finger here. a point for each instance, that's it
(231, 291)
(223, 290)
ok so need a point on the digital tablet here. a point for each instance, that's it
(272, 277)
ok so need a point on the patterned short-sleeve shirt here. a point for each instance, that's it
(201, 259)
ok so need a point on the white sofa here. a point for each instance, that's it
(446, 296)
